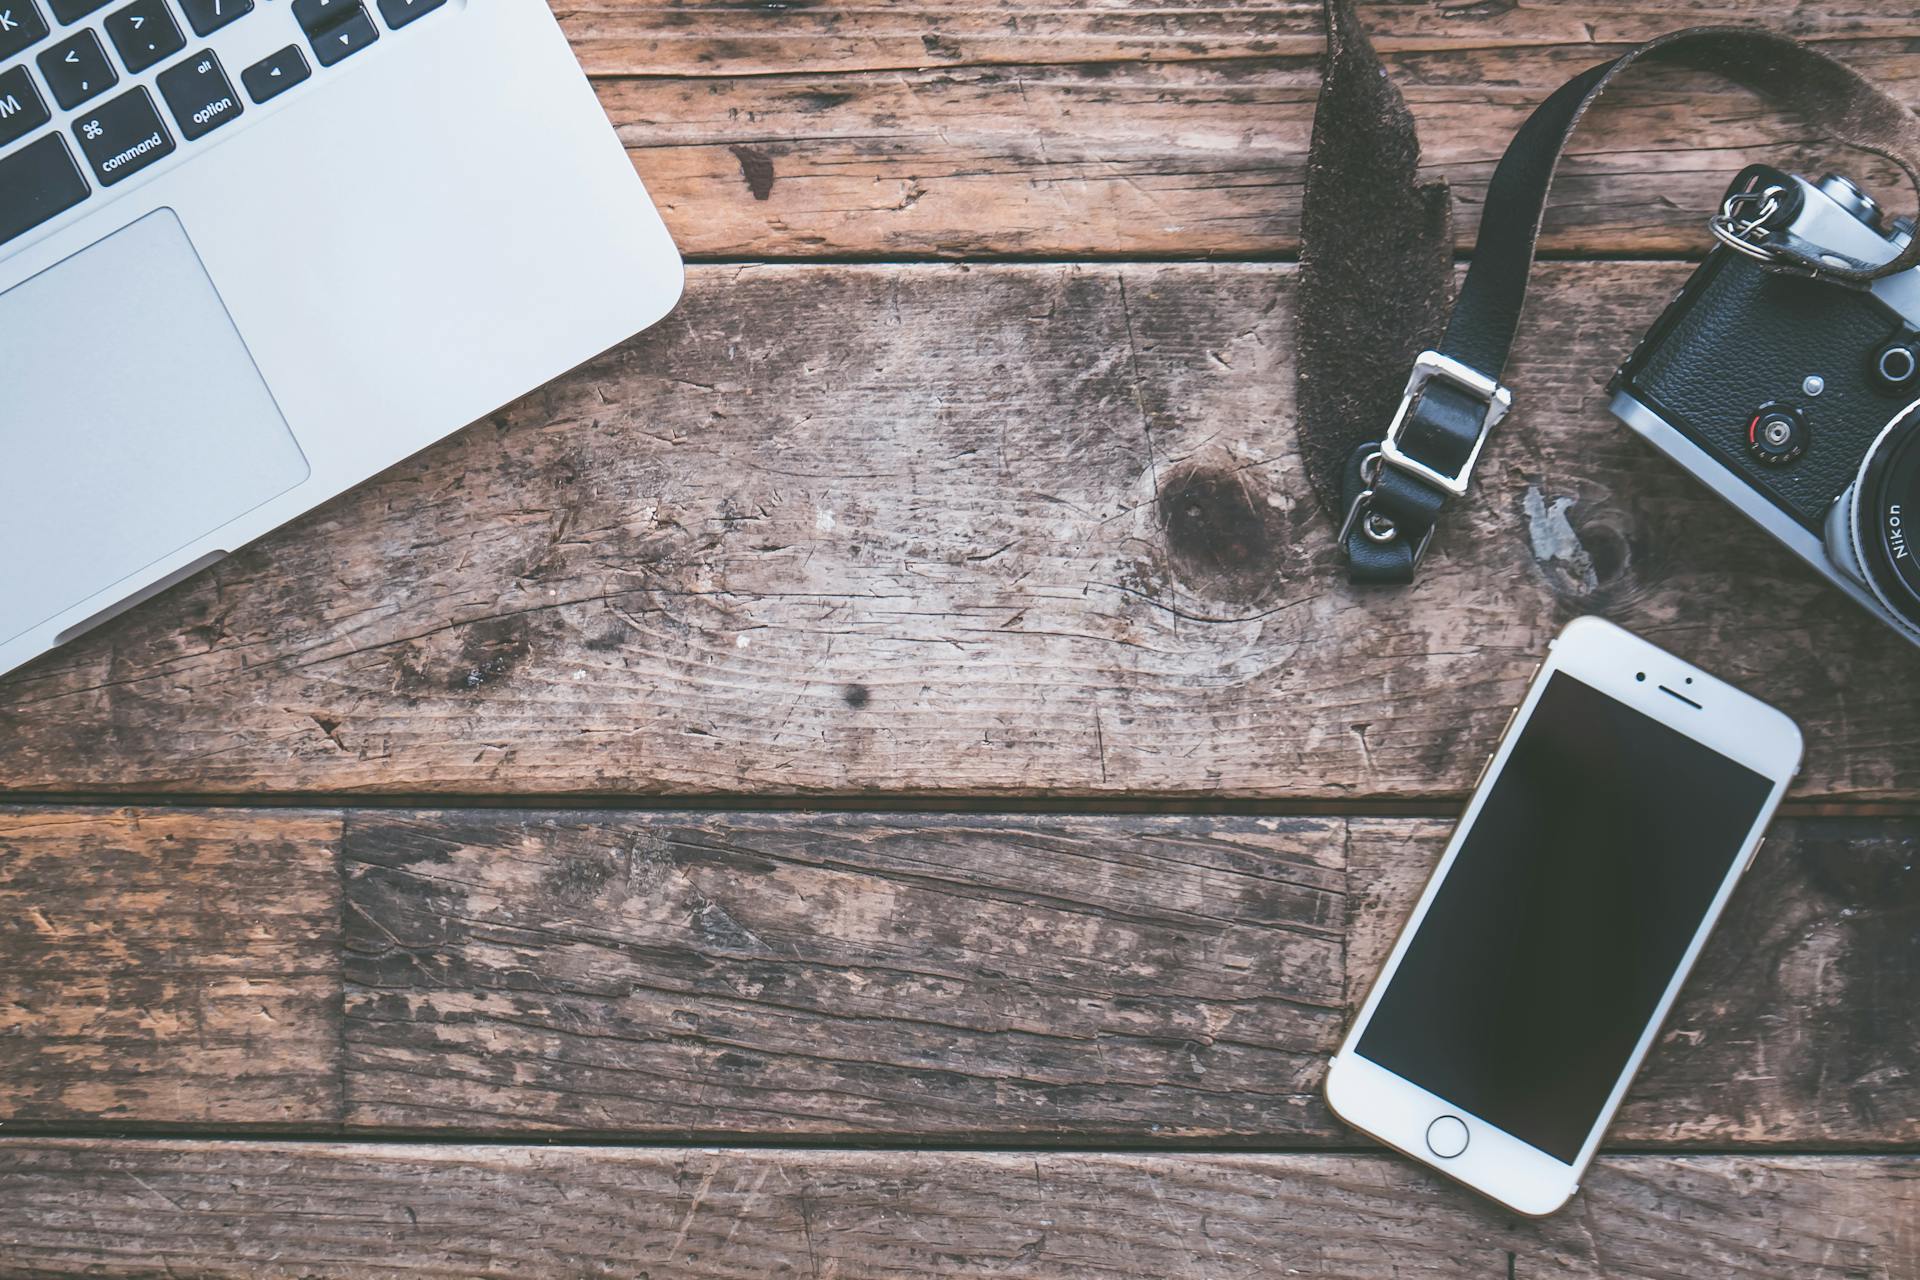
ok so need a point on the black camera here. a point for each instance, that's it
(1797, 399)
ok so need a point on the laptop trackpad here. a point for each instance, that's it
(132, 420)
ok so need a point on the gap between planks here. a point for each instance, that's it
(877, 804)
(136, 1135)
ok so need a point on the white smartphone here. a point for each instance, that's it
(1627, 795)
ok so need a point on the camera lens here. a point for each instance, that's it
(1777, 434)
(1886, 515)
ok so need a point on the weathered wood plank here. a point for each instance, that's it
(969, 978)
(1183, 154)
(169, 968)
(940, 530)
(989, 979)
(1035, 979)
(731, 37)
(264, 1209)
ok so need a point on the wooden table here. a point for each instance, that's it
(881, 775)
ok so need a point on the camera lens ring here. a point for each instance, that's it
(1885, 537)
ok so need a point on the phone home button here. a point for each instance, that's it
(1447, 1137)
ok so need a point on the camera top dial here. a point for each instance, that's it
(1846, 193)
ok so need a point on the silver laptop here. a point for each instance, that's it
(254, 251)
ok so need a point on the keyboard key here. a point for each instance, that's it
(345, 37)
(208, 16)
(37, 182)
(123, 137)
(199, 95)
(144, 33)
(77, 69)
(399, 13)
(21, 111)
(315, 16)
(74, 10)
(276, 73)
(21, 27)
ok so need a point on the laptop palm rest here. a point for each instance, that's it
(132, 422)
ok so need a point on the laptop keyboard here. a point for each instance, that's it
(85, 59)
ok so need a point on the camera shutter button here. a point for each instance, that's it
(1777, 434)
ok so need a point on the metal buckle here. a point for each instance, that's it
(1431, 366)
(1374, 526)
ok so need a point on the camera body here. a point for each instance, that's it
(1795, 398)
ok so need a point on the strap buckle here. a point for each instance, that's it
(1431, 366)
(1376, 526)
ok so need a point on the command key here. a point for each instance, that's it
(123, 137)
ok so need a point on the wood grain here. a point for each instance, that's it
(975, 979)
(169, 968)
(1033, 980)
(968, 129)
(325, 1209)
(1033, 530)
(948, 531)
(739, 37)
(1001, 979)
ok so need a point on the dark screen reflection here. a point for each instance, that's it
(1562, 920)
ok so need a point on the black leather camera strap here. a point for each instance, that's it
(1386, 451)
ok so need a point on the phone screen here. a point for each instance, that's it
(1595, 856)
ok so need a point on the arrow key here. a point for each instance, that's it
(77, 69)
(399, 13)
(344, 36)
(144, 33)
(315, 16)
(276, 73)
